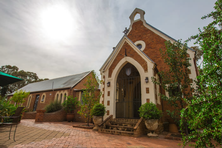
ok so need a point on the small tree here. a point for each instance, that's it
(19, 97)
(175, 80)
(204, 112)
(89, 98)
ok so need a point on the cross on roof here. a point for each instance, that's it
(126, 31)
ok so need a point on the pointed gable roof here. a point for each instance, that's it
(117, 49)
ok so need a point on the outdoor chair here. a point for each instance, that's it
(12, 120)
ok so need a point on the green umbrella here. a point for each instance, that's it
(6, 79)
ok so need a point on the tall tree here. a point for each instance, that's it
(28, 77)
(175, 80)
(204, 112)
(89, 98)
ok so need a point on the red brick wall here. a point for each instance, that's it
(29, 115)
(153, 43)
(48, 99)
(130, 53)
(55, 116)
(80, 85)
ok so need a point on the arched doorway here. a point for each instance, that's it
(128, 92)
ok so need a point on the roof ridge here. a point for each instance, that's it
(57, 78)
(68, 75)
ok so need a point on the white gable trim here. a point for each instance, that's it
(110, 56)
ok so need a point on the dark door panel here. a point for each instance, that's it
(36, 102)
(128, 92)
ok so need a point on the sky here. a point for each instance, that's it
(56, 38)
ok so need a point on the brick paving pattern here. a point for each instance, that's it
(62, 134)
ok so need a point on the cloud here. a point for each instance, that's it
(98, 26)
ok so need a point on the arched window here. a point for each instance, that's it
(29, 101)
(64, 97)
(43, 98)
(57, 97)
(60, 98)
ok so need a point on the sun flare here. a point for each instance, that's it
(57, 23)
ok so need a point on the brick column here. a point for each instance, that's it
(39, 116)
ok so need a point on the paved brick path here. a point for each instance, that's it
(62, 134)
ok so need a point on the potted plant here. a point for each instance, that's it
(70, 104)
(98, 112)
(151, 114)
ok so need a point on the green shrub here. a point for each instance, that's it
(98, 110)
(6, 108)
(53, 106)
(70, 104)
(150, 111)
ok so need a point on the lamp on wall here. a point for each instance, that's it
(146, 79)
(108, 84)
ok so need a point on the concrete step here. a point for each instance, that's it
(118, 123)
(117, 132)
(123, 127)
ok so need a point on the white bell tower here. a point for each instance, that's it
(134, 13)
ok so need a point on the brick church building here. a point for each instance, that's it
(127, 72)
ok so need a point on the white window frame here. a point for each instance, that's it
(142, 43)
(43, 95)
(29, 101)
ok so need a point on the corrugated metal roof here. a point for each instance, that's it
(57, 83)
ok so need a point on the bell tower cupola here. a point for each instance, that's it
(134, 13)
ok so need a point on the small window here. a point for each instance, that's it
(81, 98)
(139, 46)
(43, 98)
(29, 101)
(60, 98)
(64, 97)
(57, 97)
